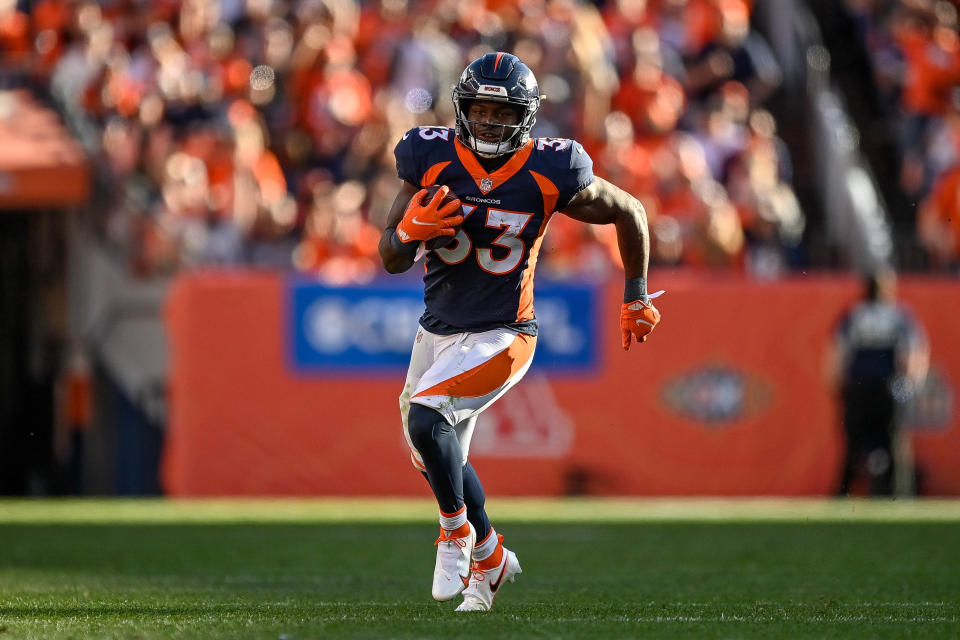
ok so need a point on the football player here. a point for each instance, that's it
(477, 336)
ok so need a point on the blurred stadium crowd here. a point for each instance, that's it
(261, 131)
(913, 50)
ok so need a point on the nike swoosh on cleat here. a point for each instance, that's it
(425, 224)
(496, 583)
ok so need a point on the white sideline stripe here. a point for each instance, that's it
(533, 510)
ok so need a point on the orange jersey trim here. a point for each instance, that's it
(550, 196)
(501, 175)
(489, 376)
(550, 193)
(431, 174)
(525, 309)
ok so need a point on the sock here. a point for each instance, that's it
(485, 546)
(454, 521)
(489, 552)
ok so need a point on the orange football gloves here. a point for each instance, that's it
(425, 221)
(637, 319)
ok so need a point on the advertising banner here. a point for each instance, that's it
(283, 386)
(343, 330)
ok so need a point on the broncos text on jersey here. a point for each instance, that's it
(484, 279)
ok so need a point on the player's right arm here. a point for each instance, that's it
(412, 220)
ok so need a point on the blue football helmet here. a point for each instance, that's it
(498, 77)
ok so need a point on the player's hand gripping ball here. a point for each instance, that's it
(432, 216)
(442, 241)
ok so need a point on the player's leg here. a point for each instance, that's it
(473, 495)
(492, 562)
(435, 451)
(464, 381)
(475, 501)
(436, 443)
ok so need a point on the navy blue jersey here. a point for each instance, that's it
(485, 279)
(874, 338)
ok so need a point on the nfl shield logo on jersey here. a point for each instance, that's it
(486, 184)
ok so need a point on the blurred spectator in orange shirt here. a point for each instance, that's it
(686, 26)
(769, 210)
(942, 150)
(938, 221)
(14, 35)
(624, 18)
(654, 100)
(572, 250)
(931, 47)
(927, 39)
(622, 161)
(384, 24)
(339, 245)
(736, 52)
(694, 210)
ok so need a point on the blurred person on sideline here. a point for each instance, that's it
(76, 398)
(879, 361)
(477, 336)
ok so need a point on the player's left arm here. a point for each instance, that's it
(604, 203)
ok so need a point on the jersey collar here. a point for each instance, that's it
(487, 182)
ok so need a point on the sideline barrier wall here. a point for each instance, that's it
(280, 386)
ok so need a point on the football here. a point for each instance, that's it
(440, 241)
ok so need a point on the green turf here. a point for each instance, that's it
(127, 578)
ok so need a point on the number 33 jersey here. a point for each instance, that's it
(484, 279)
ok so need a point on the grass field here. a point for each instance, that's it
(592, 569)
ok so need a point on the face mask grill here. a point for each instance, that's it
(511, 138)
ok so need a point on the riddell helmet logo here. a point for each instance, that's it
(492, 89)
(717, 394)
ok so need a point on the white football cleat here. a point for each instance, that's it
(451, 574)
(485, 583)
